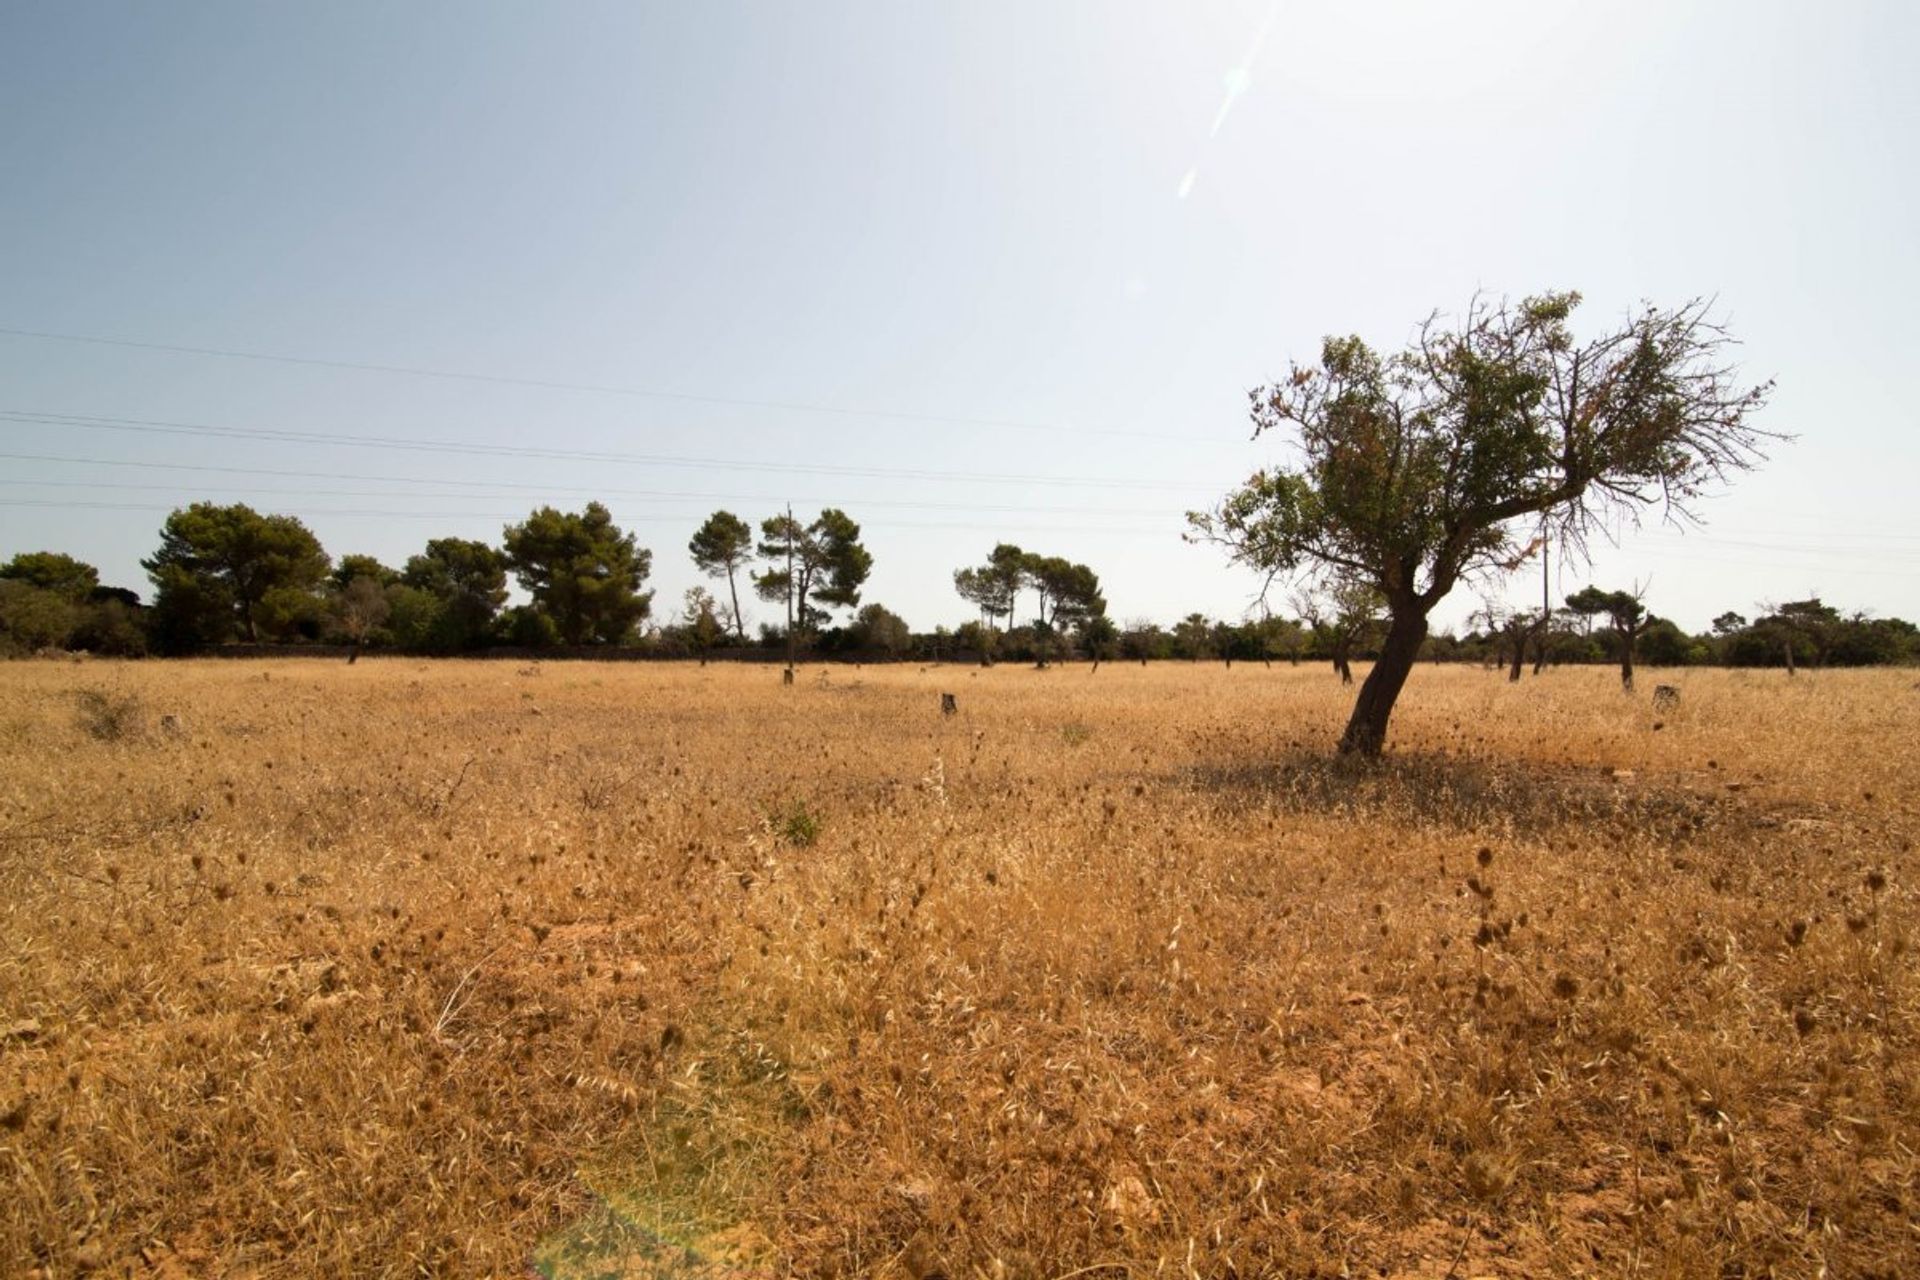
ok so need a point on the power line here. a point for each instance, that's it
(282, 473)
(651, 393)
(324, 512)
(278, 435)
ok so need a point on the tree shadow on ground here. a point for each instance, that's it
(1433, 789)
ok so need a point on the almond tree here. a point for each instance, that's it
(1419, 469)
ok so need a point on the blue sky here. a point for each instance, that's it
(1059, 241)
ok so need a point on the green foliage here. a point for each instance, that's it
(54, 571)
(419, 621)
(798, 825)
(1426, 466)
(111, 628)
(356, 566)
(214, 558)
(582, 571)
(33, 618)
(468, 580)
(531, 628)
(878, 627)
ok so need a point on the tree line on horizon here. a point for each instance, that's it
(229, 574)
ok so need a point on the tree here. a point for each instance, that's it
(700, 617)
(985, 590)
(1193, 637)
(582, 571)
(468, 581)
(1067, 592)
(1422, 468)
(878, 627)
(1341, 614)
(359, 609)
(720, 548)
(993, 586)
(1624, 612)
(73, 580)
(822, 563)
(1098, 636)
(34, 618)
(216, 565)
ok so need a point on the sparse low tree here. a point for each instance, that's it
(359, 609)
(1437, 463)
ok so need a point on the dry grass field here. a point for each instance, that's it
(475, 968)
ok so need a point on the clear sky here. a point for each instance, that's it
(1023, 261)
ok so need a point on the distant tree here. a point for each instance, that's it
(1143, 639)
(1067, 592)
(528, 627)
(216, 566)
(1624, 612)
(994, 586)
(1511, 630)
(582, 571)
(34, 618)
(721, 548)
(467, 581)
(700, 618)
(878, 627)
(1193, 637)
(1343, 612)
(1437, 463)
(828, 566)
(1728, 623)
(1099, 637)
(359, 609)
(1664, 644)
(55, 571)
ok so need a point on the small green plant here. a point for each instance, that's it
(797, 825)
(107, 716)
(1073, 733)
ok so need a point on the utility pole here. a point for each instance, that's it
(790, 536)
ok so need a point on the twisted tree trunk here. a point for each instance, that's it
(1367, 728)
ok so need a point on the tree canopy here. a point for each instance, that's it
(55, 571)
(828, 565)
(217, 565)
(721, 547)
(582, 571)
(1426, 466)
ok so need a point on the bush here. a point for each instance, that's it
(530, 628)
(32, 618)
(107, 716)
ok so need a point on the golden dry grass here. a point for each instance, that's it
(454, 968)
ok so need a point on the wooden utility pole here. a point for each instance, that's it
(790, 537)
